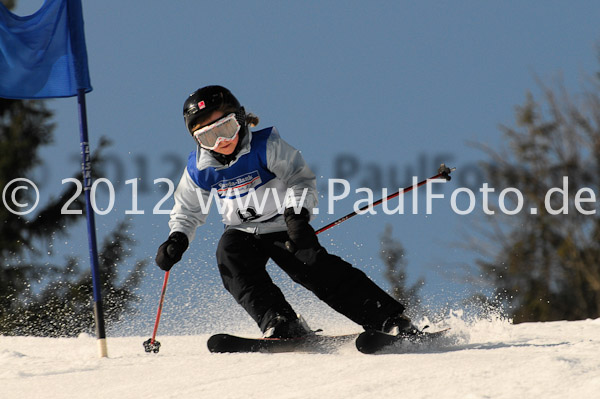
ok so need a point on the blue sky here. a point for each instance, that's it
(391, 86)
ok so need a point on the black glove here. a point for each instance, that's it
(170, 251)
(302, 235)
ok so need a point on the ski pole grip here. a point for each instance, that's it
(445, 171)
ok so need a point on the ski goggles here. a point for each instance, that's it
(224, 129)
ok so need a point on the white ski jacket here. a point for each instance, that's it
(267, 176)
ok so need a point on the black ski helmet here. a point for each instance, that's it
(204, 101)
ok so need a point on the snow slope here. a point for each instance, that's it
(481, 359)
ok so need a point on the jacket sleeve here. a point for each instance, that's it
(191, 207)
(287, 164)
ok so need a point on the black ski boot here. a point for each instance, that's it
(401, 326)
(284, 327)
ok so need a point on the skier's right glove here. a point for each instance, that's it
(170, 251)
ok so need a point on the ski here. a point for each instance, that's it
(227, 343)
(373, 341)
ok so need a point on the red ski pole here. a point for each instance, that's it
(443, 172)
(152, 345)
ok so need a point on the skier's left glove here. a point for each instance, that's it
(303, 241)
(302, 235)
(170, 251)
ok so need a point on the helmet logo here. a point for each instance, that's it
(201, 105)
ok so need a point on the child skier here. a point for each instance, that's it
(236, 162)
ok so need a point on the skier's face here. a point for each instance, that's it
(225, 147)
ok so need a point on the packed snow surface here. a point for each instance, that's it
(479, 359)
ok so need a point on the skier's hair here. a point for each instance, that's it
(251, 119)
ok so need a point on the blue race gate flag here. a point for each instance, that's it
(43, 55)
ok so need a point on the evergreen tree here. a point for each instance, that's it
(62, 307)
(547, 266)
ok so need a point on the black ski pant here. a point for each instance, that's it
(242, 258)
